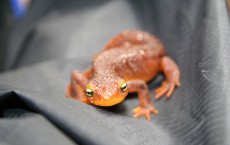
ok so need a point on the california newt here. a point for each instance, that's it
(125, 65)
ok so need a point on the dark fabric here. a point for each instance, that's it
(57, 37)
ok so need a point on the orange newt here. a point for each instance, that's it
(125, 65)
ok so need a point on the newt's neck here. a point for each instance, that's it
(103, 68)
(104, 73)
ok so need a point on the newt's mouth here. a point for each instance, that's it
(107, 102)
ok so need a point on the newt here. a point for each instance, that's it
(125, 65)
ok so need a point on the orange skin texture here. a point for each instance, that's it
(131, 58)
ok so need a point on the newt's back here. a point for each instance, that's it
(136, 38)
(131, 55)
(136, 62)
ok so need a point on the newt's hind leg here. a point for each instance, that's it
(172, 74)
(75, 89)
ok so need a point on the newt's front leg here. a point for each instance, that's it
(146, 106)
(172, 74)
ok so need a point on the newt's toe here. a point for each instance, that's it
(167, 88)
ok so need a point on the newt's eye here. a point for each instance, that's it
(123, 87)
(89, 92)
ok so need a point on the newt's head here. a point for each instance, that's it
(107, 91)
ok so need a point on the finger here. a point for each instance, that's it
(137, 115)
(136, 109)
(171, 89)
(178, 82)
(154, 111)
(160, 94)
(147, 116)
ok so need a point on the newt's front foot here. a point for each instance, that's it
(146, 111)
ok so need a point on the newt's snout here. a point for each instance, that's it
(107, 101)
(107, 97)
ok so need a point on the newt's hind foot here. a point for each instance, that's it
(145, 111)
(167, 88)
(172, 74)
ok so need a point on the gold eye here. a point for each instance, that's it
(123, 87)
(89, 92)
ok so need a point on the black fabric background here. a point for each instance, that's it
(57, 37)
